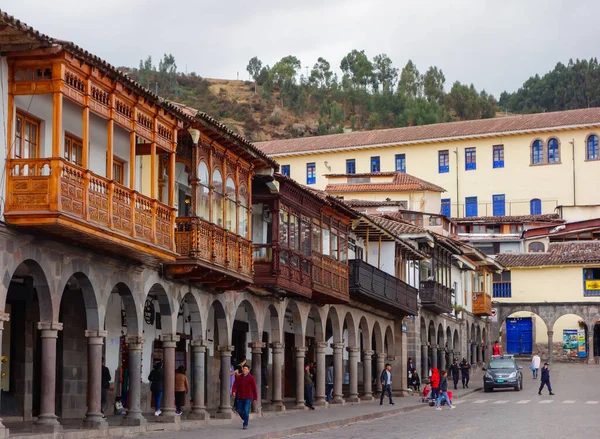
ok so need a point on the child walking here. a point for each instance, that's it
(444, 392)
(545, 380)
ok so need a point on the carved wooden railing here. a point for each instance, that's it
(53, 186)
(197, 238)
(280, 263)
(482, 304)
(330, 275)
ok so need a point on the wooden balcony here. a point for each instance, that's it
(283, 271)
(54, 196)
(371, 285)
(330, 280)
(211, 255)
(435, 296)
(482, 304)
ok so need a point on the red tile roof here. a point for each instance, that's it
(368, 203)
(401, 182)
(559, 253)
(588, 117)
(550, 217)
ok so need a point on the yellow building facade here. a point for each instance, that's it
(550, 158)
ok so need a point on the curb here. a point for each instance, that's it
(308, 429)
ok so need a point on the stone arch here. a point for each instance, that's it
(166, 306)
(94, 315)
(449, 338)
(272, 316)
(365, 334)
(297, 322)
(456, 341)
(31, 268)
(216, 310)
(431, 336)
(319, 328)
(132, 308)
(195, 316)
(472, 334)
(389, 341)
(350, 326)
(377, 338)
(333, 323)
(440, 336)
(252, 318)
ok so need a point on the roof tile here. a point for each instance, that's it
(401, 182)
(559, 253)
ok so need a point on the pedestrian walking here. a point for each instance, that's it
(535, 365)
(308, 387)
(455, 372)
(386, 383)
(496, 349)
(545, 380)
(182, 387)
(435, 383)
(244, 390)
(105, 386)
(416, 381)
(157, 378)
(329, 381)
(465, 372)
(444, 392)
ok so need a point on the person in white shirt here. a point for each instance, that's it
(535, 365)
(386, 383)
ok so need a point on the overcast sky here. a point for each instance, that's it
(493, 44)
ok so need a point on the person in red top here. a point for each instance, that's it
(496, 349)
(435, 383)
(244, 389)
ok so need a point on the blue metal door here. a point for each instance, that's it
(519, 333)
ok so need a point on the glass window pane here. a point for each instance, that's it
(283, 228)
(326, 245)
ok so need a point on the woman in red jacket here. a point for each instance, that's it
(435, 383)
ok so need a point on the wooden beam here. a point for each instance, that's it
(85, 137)
(57, 134)
(153, 171)
(379, 253)
(132, 152)
(171, 187)
(367, 246)
(10, 120)
(110, 128)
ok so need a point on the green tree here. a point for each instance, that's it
(321, 75)
(433, 84)
(411, 84)
(254, 68)
(286, 69)
(357, 69)
(384, 73)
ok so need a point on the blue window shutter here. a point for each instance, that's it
(443, 162)
(285, 170)
(311, 173)
(498, 156)
(470, 159)
(498, 205)
(471, 206)
(350, 166)
(446, 207)
(535, 206)
(593, 151)
(400, 162)
(537, 153)
(375, 164)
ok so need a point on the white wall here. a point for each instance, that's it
(510, 247)
(98, 145)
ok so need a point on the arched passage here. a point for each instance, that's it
(567, 329)
(244, 331)
(293, 338)
(389, 342)
(456, 345)
(523, 333)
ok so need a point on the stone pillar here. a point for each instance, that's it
(169, 343)
(353, 369)
(590, 345)
(93, 417)
(199, 408)
(473, 354)
(338, 373)
(479, 360)
(381, 356)
(225, 411)
(425, 365)
(47, 420)
(550, 347)
(320, 398)
(442, 365)
(367, 376)
(257, 347)
(434, 355)
(134, 413)
(300, 355)
(277, 401)
(4, 317)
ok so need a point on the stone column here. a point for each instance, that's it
(93, 417)
(169, 343)
(300, 355)
(47, 420)
(134, 413)
(442, 365)
(425, 365)
(338, 373)
(473, 354)
(199, 408)
(277, 401)
(590, 345)
(550, 347)
(434, 355)
(257, 347)
(225, 411)
(367, 376)
(320, 398)
(4, 317)
(479, 360)
(353, 369)
(381, 356)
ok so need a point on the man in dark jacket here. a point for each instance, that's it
(157, 378)
(386, 383)
(545, 380)
(244, 389)
(455, 371)
(105, 386)
(308, 387)
(465, 370)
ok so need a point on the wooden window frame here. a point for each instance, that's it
(74, 140)
(118, 162)
(26, 117)
(471, 158)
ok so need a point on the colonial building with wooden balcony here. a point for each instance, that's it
(79, 132)
(213, 229)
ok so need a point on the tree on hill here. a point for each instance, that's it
(254, 68)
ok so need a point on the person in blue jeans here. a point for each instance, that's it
(244, 389)
(157, 378)
(386, 383)
(444, 392)
(329, 382)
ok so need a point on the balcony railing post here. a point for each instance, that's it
(86, 195)
(133, 202)
(213, 254)
(172, 229)
(153, 222)
(111, 194)
(56, 166)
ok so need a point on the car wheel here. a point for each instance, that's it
(488, 389)
(519, 386)
(521, 383)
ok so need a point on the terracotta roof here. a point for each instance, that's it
(16, 35)
(550, 217)
(401, 182)
(437, 132)
(364, 174)
(398, 226)
(559, 253)
(368, 203)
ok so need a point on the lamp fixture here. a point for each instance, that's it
(195, 135)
